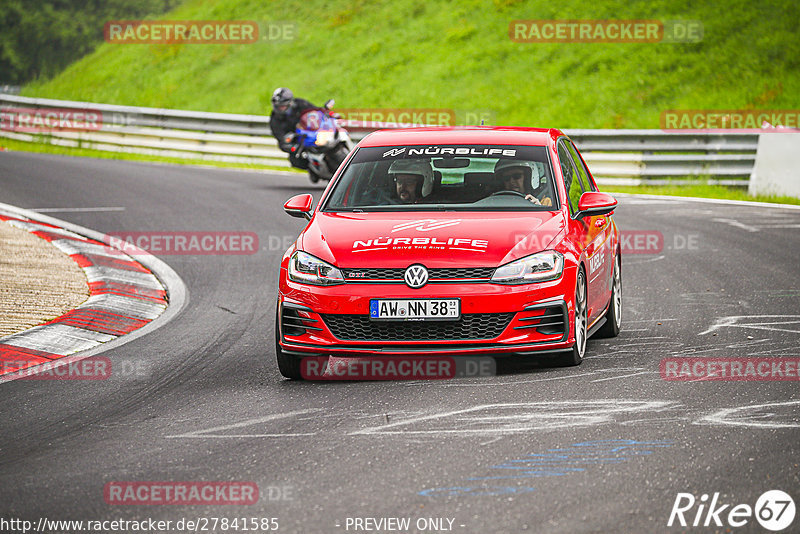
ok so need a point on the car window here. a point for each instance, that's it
(472, 177)
(583, 173)
(571, 178)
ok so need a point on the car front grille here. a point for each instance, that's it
(469, 326)
(396, 275)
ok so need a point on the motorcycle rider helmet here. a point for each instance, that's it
(282, 98)
(415, 166)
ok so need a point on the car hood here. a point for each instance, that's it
(435, 239)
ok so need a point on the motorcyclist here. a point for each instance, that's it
(523, 177)
(286, 111)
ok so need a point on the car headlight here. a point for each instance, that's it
(540, 267)
(307, 269)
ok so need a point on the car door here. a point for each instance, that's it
(585, 232)
(603, 224)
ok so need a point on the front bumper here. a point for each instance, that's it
(496, 319)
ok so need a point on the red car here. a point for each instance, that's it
(452, 241)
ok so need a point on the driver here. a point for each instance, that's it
(515, 175)
(413, 179)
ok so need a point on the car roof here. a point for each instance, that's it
(468, 135)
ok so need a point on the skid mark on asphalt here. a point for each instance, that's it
(772, 415)
(736, 224)
(492, 422)
(513, 418)
(642, 372)
(217, 432)
(487, 383)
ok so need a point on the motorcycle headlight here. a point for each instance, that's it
(307, 269)
(540, 267)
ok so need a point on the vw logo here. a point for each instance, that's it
(416, 276)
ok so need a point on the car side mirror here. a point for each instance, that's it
(299, 206)
(329, 104)
(594, 203)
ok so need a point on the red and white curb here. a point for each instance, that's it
(126, 297)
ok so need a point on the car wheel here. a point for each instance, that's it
(288, 365)
(614, 313)
(575, 355)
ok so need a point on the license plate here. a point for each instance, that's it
(415, 309)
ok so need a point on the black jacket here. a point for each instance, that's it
(283, 123)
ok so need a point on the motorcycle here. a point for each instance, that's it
(322, 140)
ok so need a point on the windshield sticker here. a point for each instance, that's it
(452, 151)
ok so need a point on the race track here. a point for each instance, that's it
(604, 447)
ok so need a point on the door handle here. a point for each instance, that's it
(599, 223)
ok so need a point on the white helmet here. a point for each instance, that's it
(532, 173)
(418, 167)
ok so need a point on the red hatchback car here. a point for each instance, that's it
(452, 241)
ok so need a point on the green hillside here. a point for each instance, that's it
(458, 55)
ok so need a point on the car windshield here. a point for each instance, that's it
(472, 177)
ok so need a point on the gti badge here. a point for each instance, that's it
(416, 276)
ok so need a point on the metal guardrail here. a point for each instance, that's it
(629, 157)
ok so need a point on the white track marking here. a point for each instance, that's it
(741, 416)
(71, 210)
(206, 433)
(649, 260)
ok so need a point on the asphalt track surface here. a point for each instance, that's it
(604, 447)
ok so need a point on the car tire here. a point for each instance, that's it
(614, 313)
(575, 355)
(288, 365)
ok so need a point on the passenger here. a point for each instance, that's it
(523, 177)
